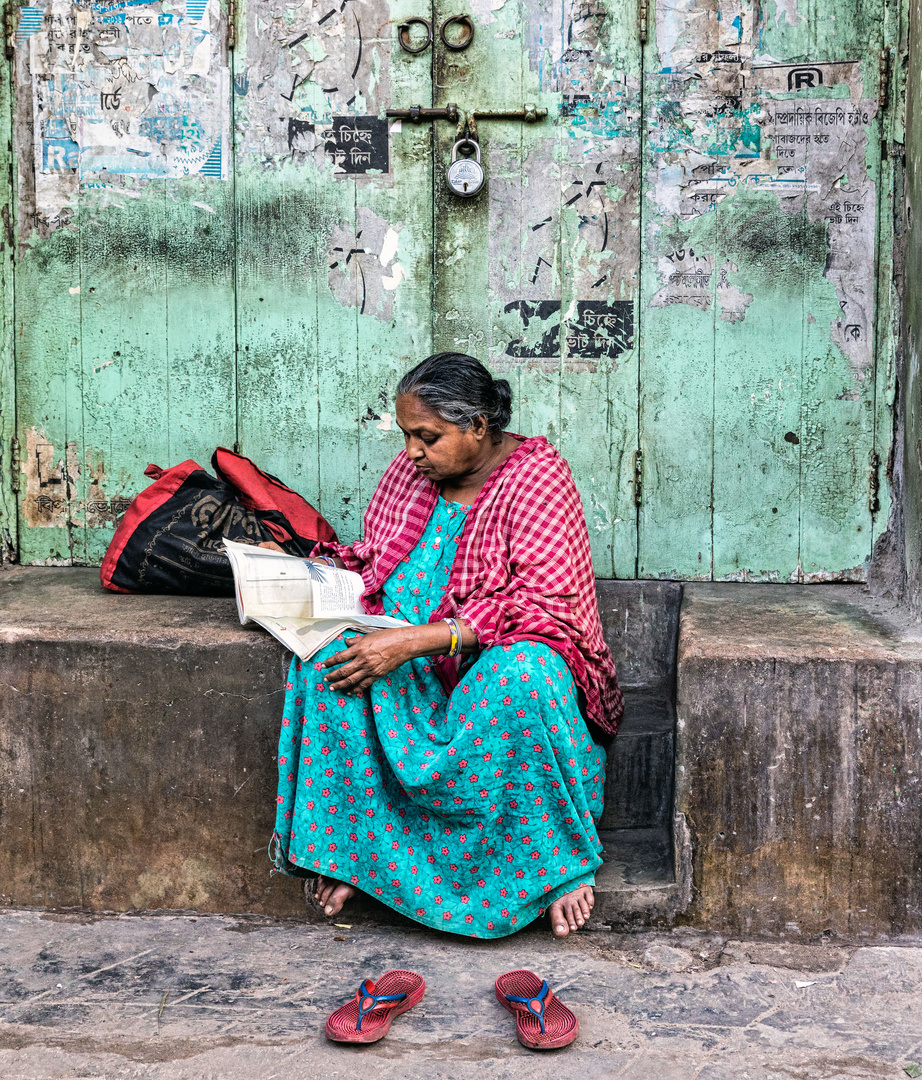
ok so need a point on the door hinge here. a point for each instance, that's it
(9, 29)
(642, 21)
(883, 90)
(638, 477)
(231, 24)
(15, 464)
(874, 482)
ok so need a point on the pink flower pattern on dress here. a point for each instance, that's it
(435, 804)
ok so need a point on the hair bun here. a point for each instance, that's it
(458, 388)
(503, 394)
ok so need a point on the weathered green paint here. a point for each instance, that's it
(758, 403)
(8, 515)
(908, 448)
(557, 226)
(277, 307)
(125, 300)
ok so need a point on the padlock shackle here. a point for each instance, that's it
(466, 141)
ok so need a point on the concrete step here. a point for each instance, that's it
(138, 738)
(799, 760)
(641, 765)
(137, 742)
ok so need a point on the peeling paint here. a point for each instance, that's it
(123, 90)
(363, 272)
(743, 245)
(53, 495)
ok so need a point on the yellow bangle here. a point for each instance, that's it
(455, 646)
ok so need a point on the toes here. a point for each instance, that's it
(337, 898)
(558, 920)
(570, 914)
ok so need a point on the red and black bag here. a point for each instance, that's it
(169, 540)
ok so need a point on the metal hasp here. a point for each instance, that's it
(418, 113)
(467, 122)
(528, 114)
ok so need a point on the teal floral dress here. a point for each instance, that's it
(470, 812)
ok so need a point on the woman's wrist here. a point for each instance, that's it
(435, 639)
(329, 560)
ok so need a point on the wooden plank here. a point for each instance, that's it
(755, 255)
(759, 333)
(538, 273)
(333, 283)
(840, 358)
(9, 533)
(124, 196)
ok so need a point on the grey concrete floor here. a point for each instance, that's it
(196, 998)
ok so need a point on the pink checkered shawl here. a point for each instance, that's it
(523, 569)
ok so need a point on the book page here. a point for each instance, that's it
(336, 592)
(270, 582)
(305, 637)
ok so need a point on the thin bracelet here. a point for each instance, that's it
(325, 558)
(455, 647)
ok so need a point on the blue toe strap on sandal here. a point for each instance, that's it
(535, 1005)
(369, 1001)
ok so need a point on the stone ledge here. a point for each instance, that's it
(799, 760)
(138, 738)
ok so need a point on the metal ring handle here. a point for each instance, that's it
(463, 19)
(403, 35)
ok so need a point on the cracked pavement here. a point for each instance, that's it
(178, 997)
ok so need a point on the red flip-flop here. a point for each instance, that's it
(367, 1017)
(542, 1021)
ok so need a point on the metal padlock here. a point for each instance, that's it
(465, 174)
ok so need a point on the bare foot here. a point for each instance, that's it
(332, 894)
(571, 910)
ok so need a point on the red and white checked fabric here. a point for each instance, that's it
(523, 569)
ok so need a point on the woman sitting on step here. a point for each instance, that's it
(446, 768)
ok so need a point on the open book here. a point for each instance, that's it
(303, 604)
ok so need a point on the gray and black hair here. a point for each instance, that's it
(458, 388)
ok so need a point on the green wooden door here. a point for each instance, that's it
(124, 308)
(677, 268)
(540, 274)
(334, 227)
(763, 401)
(350, 273)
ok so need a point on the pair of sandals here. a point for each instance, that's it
(542, 1021)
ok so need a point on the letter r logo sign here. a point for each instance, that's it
(804, 78)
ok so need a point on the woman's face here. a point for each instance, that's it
(440, 450)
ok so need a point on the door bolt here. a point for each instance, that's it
(638, 477)
(874, 482)
(15, 464)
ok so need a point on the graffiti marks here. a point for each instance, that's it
(308, 64)
(52, 496)
(363, 268)
(689, 279)
(355, 144)
(598, 330)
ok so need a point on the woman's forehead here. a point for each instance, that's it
(413, 413)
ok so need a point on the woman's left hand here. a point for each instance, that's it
(369, 657)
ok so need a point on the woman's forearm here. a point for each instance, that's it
(434, 639)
